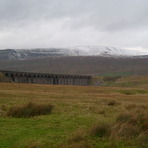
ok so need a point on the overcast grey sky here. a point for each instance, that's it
(64, 23)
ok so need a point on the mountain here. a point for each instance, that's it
(22, 54)
(95, 60)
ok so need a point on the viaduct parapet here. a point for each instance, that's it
(42, 78)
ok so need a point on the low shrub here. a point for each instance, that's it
(29, 110)
(112, 103)
(100, 130)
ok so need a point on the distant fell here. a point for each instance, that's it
(22, 54)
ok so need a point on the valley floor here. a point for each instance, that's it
(99, 117)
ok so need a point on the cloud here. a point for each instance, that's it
(60, 23)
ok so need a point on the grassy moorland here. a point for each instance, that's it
(81, 117)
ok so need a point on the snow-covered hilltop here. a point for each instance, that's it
(105, 51)
(21, 54)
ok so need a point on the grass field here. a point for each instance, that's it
(82, 117)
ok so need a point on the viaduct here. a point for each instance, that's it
(52, 79)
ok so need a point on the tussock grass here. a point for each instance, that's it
(135, 106)
(139, 118)
(2, 111)
(130, 124)
(109, 102)
(126, 118)
(77, 136)
(100, 129)
(124, 131)
(29, 110)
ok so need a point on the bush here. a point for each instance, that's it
(29, 110)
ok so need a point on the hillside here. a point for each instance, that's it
(80, 65)
(21, 54)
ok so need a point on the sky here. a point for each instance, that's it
(68, 23)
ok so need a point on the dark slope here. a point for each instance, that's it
(78, 65)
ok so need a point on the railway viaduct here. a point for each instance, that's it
(42, 78)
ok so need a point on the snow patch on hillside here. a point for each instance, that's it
(71, 51)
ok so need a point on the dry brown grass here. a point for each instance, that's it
(142, 140)
(131, 123)
(100, 130)
(124, 131)
(77, 107)
(77, 136)
(81, 144)
(29, 110)
(109, 102)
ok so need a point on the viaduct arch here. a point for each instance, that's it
(52, 79)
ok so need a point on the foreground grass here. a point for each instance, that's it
(76, 114)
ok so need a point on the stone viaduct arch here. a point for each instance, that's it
(52, 79)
